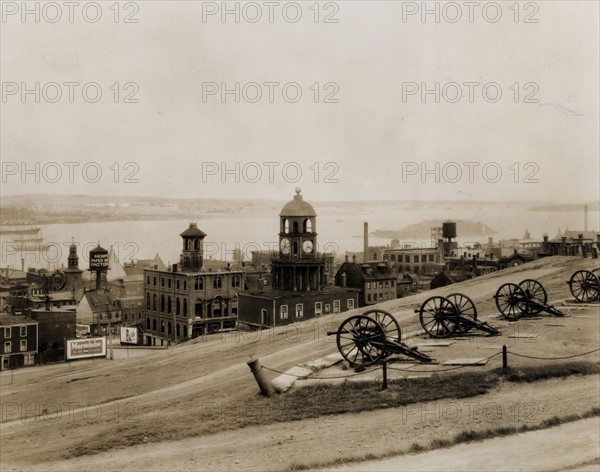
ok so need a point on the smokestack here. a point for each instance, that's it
(366, 242)
(585, 218)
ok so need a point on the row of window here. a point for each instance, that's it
(22, 331)
(306, 226)
(168, 327)
(406, 257)
(131, 303)
(8, 346)
(381, 284)
(375, 297)
(217, 282)
(166, 304)
(299, 308)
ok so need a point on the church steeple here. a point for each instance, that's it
(73, 259)
(73, 273)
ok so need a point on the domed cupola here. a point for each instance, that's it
(298, 226)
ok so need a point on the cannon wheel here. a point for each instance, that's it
(512, 301)
(439, 317)
(466, 308)
(361, 340)
(584, 286)
(389, 323)
(535, 291)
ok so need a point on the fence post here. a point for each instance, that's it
(385, 383)
(266, 388)
(504, 357)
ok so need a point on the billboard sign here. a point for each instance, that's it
(129, 335)
(82, 330)
(85, 348)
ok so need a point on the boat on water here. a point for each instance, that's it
(29, 240)
(19, 228)
(29, 244)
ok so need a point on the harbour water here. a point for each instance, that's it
(337, 232)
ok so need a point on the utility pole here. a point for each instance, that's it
(109, 333)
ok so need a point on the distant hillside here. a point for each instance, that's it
(592, 206)
(422, 230)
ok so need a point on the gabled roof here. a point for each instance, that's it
(98, 300)
(366, 270)
(11, 320)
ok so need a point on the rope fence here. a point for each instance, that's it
(385, 366)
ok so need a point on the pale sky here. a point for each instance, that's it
(375, 142)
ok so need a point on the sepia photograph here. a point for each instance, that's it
(311, 235)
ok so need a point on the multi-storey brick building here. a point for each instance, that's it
(189, 300)
(375, 281)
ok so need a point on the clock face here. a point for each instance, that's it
(307, 246)
(284, 245)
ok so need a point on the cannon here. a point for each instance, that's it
(585, 286)
(527, 298)
(442, 317)
(366, 339)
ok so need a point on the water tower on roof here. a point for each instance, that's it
(449, 233)
(99, 263)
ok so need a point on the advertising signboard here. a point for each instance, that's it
(98, 260)
(129, 335)
(85, 348)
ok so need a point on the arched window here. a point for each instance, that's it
(295, 226)
(162, 326)
(154, 324)
(178, 330)
(148, 323)
(198, 283)
(286, 225)
(154, 302)
(148, 305)
(177, 306)
(169, 307)
(307, 226)
(169, 330)
(185, 310)
(197, 244)
(162, 303)
(185, 331)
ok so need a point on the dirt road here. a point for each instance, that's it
(560, 448)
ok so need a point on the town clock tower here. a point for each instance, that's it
(298, 267)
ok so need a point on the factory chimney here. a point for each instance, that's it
(366, 242)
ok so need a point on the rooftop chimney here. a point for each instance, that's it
(366, 242)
